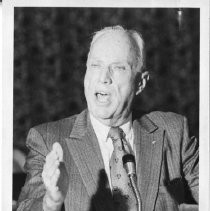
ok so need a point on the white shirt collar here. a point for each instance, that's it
(100, 129)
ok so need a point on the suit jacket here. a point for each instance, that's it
(166, 160)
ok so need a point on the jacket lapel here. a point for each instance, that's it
(148, 142)
(84, 149)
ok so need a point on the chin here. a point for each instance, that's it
(100, 113)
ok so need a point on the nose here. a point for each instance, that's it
(105, 76)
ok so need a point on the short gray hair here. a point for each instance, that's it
(135, 38)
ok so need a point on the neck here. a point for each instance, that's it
(116, 122)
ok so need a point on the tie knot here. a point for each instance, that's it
(116, 133)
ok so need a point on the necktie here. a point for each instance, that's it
(123, 195)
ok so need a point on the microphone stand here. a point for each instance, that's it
(135, 189)
(129, 165)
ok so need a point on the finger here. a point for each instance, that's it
(46, 180)
(51, 181)
(52, 170)
(51, 184)
(49, 171)
(55, 177)
(59, 151)
(51, 158)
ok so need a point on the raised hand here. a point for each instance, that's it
(54, 196)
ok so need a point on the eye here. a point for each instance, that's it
(95, 65)
(120, 68)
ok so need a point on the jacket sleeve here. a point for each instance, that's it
(31, 196)
(190, 161)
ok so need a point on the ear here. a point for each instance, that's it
(142, 81)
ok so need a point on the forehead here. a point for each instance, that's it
(113, 46)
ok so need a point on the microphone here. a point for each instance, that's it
(129, 165)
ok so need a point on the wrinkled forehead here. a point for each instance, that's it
(113, 43)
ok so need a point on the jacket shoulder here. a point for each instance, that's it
(174, 125)
(54, 126)
(44, 135)
(167, 120)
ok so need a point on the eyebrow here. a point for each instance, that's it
(96, 60)
(115, 62)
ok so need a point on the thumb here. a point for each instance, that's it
(59, 151)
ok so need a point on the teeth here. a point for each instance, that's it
(101, 93)
(102, 97)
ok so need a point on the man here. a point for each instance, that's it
(77, 162)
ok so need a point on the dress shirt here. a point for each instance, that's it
(106, 145)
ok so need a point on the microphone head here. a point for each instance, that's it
(129, 164)
(128, 158)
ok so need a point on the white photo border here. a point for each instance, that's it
(8, 52)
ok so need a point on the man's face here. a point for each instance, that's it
(109, 80)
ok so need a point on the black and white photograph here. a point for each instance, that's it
(107, 107)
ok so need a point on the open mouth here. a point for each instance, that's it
(102, 97)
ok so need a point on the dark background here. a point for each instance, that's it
(50, 52)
